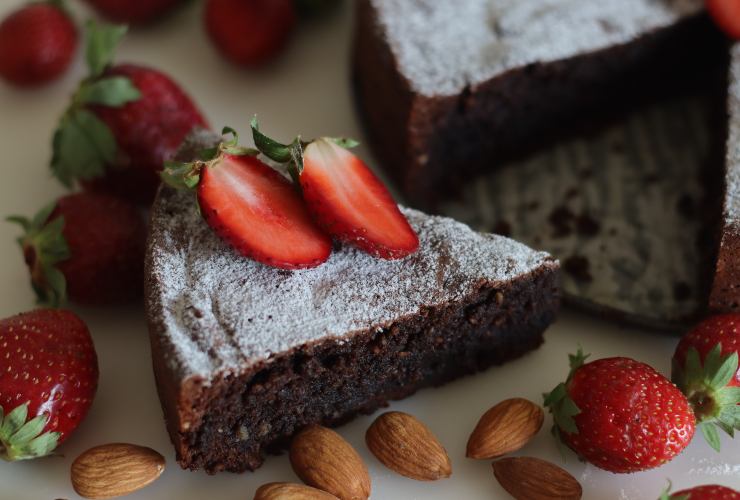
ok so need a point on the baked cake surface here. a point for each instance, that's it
(442, 47)
(245, 354)
(451, 89)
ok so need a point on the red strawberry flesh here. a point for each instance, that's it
(622, 415)
(259, 212)
(707, 492)
(148, 131)
(352, 204)
(726, 13)
(249, 32)
(721, 329)
(49, 362)
(37, 43)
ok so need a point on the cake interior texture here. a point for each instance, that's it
(246, 355)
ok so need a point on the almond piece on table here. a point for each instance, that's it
(290, 491)
(324, 460)
(114, 470)
(404, 444)
(505, 428)
(528, 478)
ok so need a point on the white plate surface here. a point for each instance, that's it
(305, 91)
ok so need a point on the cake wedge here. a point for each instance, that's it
(245, 355)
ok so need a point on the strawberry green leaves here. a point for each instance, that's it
(562, 407)
(43, 247)
(705, 385)
(290, 154)
(102, 40)
(186, 175)
(114, 91)
(83, 145)
(21, 439)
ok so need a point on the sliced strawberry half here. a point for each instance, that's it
(351, 203)
(346, 199)
(726, 14)
(253, 208)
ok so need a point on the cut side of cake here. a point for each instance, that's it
(245, 355)
(725, 293)
(449, 89)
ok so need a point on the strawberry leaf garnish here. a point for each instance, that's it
(271, 148)
(83, 145)
(344, 142)
(44, 246)
(291, 155)
(705, 385)
(102, 40)
(561, 406)
(181, 175)
(22, 439)
(114, 91)
(186, 175)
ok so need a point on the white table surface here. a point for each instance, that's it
(307, 91)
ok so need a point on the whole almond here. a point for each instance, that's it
(505, 428)
(404, 444)
(115, 469)
(324, 460)
(290, 491)
(528, 478)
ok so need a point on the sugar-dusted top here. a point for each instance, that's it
(732, 181)
(221, 312)
(443, 45)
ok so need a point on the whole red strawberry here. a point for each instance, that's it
(726, 13)
(134, 11)
(48, 381)
(251, 206)
(705, 368)
(620, 414)
(86, 246)
(705, 492)
(37, 43)
(123, 123)
(249, 32)
(343, 195)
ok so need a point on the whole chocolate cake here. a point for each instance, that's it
(245, 355)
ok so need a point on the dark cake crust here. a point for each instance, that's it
(235, 420)
(430, 144)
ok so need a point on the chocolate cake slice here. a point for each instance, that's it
(449, 89)
(245, 355)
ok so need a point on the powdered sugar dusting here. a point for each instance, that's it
(221, 312)
(441, 46)
(732, 190)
